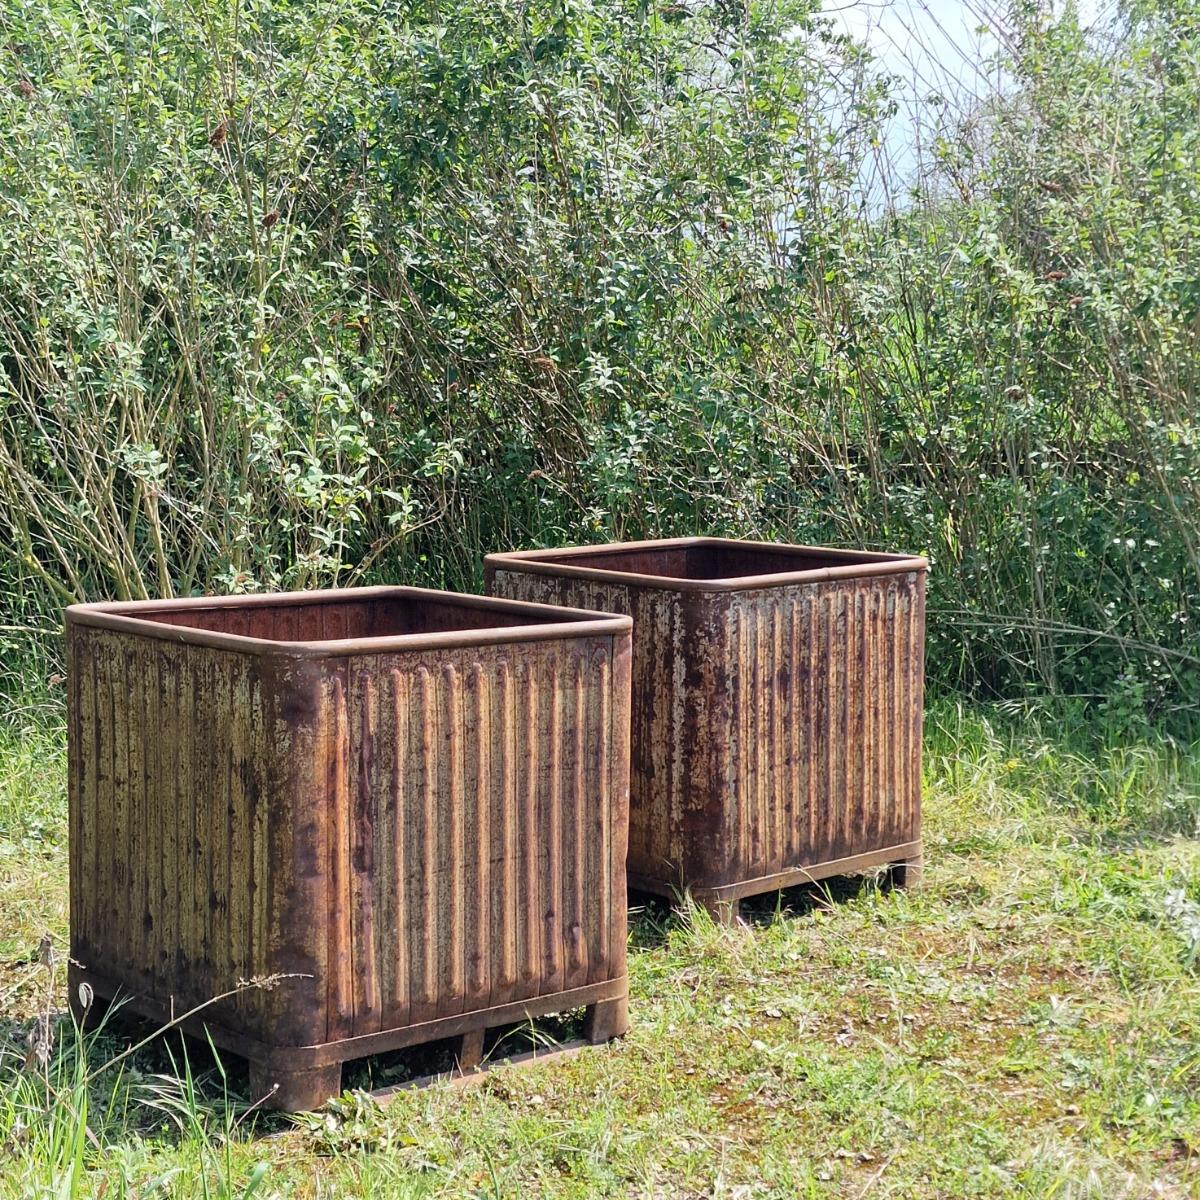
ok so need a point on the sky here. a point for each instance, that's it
(941, 46)
(935, 39)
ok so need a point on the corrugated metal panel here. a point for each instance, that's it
(823, 696)
(169, 770)
(481, 782)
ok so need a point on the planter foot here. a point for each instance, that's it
(606, 1019)
(907, 874)
(470, 1050)
(294, 1091)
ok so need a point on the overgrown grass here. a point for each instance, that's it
(1026, 1025)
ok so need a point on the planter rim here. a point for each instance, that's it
(859, 564)
(561, 623)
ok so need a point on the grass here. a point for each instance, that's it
(1026, 1025)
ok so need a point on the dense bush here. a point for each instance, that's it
(298, 292)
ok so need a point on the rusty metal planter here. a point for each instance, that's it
(776, 710)
(411, 805)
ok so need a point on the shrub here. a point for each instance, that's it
(294, 294)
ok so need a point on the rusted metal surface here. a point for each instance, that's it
(413, 804)
(776, 710)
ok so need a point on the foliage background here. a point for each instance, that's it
(298, 293)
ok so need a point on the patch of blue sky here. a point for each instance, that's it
(942, 55)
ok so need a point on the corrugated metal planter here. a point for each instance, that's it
(777, 703)
(410, 804)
